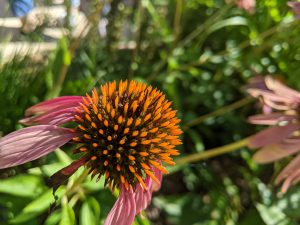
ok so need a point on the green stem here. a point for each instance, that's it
(213, 152)
(218, 112)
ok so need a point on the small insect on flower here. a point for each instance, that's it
(282, 113)
(124, 134)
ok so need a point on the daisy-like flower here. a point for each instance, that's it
(124, 133)
(282, 138)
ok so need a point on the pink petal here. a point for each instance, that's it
(270, 119)
(56, 103)
(274, 152)
(281, 89)
(123, 211)
(142, 197)
(289, 169)
(272, 135)
(30, 143)
(291, 179)
(54, 117)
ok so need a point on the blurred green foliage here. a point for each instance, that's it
(201, 53)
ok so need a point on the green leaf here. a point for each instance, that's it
(63, 157)
(38, 206)
(68, 215)
(87, 215)
(22, 185)
(233, 21)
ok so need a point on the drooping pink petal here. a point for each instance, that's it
(56, 103)
(289, 169)
(270, 119)
(143, 197)
(123, 211)
(54, 117)
(291, 179)
(277, 151)
(62, 175)
(272, 135)
(30, 143)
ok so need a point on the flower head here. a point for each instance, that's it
(124, 133)
(282, 138)
(247, 5)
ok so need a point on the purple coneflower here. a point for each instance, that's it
(123, 134)
(295, 7)
(282, 138)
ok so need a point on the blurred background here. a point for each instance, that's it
(200, 53)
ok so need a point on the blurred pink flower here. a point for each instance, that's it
(295, 7)
(124, 134)
(282, 138)
(248, 5)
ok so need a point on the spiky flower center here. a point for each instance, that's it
(126, 131)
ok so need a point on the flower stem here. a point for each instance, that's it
(213, 152)
(218, 112)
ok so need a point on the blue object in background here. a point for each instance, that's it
(21, 8)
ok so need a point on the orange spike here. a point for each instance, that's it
(117, 102)
(105, 152)
(95, 145)
(120, 119)
(118, 155)
(133, 144)
(126, 130)
(141, 181)
(157, 117)
(99, 117)
(82, 128)
(106, 174)
(109, 138)
(116, 127)
(122, 142)
(130, 157)
(173, 152)
(145, 166)
(143, 153)
(138, 122)
(146, 104)
(155, 150)
(145, 142)
(94, 125)
(126, 108)
(78, 118)
(135, 133)
(101, 131)
(162, 135)
(154, 178)
(105, 163)
(108, 108)
(83, 149)
(113, 113)
(86, 136)
(158, 166)
(134, 106)
(143, 134)
(155, 140)
(147, 117)
(154, 130)
(165, 124)
(129, 122)
(106, 123)
(118, 167)
(95, 96)
(131, 168)
(122, 179)
(93, 157)
(164, 144)
(85, 108)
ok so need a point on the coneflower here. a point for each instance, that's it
(282, 138)
(124, 133)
